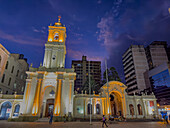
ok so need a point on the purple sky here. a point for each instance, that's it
(98, 29)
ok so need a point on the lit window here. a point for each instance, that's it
(78, 65)
(15, 85)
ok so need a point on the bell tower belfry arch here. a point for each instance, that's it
(55, 49)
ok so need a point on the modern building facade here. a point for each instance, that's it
(82, 70)
(50, 89)
(137, 60)
(13, 78)
(135, 64)
(160, 83)
(156, 53)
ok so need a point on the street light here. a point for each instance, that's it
(90, 94)
(107, 88)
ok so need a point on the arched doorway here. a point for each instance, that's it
(49, 107)
(116, 104)
(5, 110)
(48, 101)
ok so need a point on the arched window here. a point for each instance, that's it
(3, 78)
(12, 69)
(16, 110)
(17, 73)
(6, 67)
(5, 110)
(89, 107)
(9, 81)
(139, 109)
(97, 108)
(131, 109)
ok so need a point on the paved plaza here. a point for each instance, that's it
(5, 124)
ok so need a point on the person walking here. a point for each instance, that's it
(104, 121)
(166, 119)
(64, 118)
(51, 118)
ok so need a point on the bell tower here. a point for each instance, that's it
(55, 49)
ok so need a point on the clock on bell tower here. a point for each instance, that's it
(55, 48)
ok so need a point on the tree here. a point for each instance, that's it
(94, 86)
(112, 75)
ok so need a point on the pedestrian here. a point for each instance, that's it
(64, 118)
(51, 118)
(166, 119)
(104, 121)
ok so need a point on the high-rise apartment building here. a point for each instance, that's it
(137, 60)
(156, 53)
(13, 76)
(82, 70)
(135, 64)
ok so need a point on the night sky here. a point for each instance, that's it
(98, 29)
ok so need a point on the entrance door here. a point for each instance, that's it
(49, 107)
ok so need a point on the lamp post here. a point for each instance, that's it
(90, 94)
(107, 88)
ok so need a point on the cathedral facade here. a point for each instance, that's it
(50, 89)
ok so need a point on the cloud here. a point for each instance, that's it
(136, 24)
(21, 39)
(99, 1)
(39, 31)
(75, 54)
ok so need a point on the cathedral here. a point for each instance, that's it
(50, 89)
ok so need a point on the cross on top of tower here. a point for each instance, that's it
(59, 18)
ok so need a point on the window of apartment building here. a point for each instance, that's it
(78, 65)
(3, 78)
(22, 89)
(17, 73)
(21, 76)
(15, 85)
(6, 92)
(9, 82)
(12, 69)
(6, 67)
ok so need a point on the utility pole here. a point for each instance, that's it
(108, 103)
(90, 94)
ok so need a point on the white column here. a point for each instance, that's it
(26, 95)
(135, 107)
(31, 95)
(156, 108)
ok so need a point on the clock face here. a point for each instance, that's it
(56, 36)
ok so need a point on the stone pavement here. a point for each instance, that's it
(5, 124)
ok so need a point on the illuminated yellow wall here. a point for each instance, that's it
(53, 30)
(58, 100)
(36, 99)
